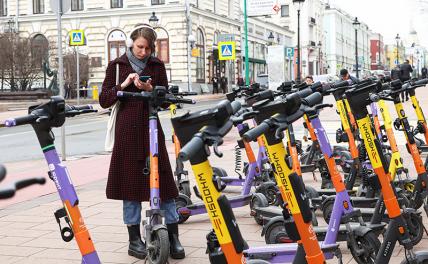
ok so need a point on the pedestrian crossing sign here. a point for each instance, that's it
(226, 50)
(77, 38)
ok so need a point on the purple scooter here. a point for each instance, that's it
(43, 118)
(155, 232)
(186, 208)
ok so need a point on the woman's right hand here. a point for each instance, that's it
(130, 79)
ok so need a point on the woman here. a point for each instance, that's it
(131, 146)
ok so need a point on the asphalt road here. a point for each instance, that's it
(84, 135)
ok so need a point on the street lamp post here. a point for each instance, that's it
(417, 64)
(299, 2)
(397, 38)
(271, 38)
(356, 24)
(190, 43)
(319, 58)
(153, 20)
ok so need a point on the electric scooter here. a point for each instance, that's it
(155, 232)
(397, 227)
(362, 239)
(43, 118)
(186, 208)
(181, 175)
(225, 244)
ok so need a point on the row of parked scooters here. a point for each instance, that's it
(281, 201)
(386, 201)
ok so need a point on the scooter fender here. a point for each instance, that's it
(158, 227)
(271, 222)
(361, 231)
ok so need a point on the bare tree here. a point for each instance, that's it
(21, 61)
(70, 69)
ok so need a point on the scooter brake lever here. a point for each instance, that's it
(278, 131)
(41, 119)
(217, 152)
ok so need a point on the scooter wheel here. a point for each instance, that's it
(276, 234)
(219, 172)
(311, 192)
(370, 245)
(180, 202)
(271, 192)
(185, 189)
(258, 200)
(416, 228)
(327, 209)
(158, 252)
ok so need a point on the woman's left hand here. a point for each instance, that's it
(146, 86)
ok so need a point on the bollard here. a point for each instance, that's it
(95, 92)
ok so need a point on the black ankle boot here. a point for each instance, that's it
(137, 248)
(176, 250)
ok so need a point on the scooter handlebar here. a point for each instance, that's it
(10, 190)
(254, 133)
(192, 148)
(21, 120)
(2, 172)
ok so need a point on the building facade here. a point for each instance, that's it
(312, 37)
(341, 46)
(184, 27)
(377, 52)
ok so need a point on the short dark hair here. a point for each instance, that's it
(343, 72)
(309, 77)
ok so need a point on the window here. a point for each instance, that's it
(116, 3)
(76, 5)
(231, 9)
(116, 44)
(200, 60)
(39, 49)
(285, 10)
(162, 45)
(3, 7)
(158, 2)
(38, 6)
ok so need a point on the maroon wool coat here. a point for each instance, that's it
(131, 147)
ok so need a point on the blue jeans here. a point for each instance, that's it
(132, 212)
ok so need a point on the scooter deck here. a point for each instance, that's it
(281, 251)
(332, 191)
(266, 213)
(423, 148)
(321, 231)
(361, 202)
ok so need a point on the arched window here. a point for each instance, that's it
(162, 45)
(200, 60)
(39, 49)
(116, 44)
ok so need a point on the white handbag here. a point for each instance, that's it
(111, 124)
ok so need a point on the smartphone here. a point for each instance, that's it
(145, 78)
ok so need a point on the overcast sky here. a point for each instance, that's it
(390, 17)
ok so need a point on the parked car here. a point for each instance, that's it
(263, 80)
(325, 78)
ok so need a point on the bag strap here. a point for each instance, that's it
(117, 73)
